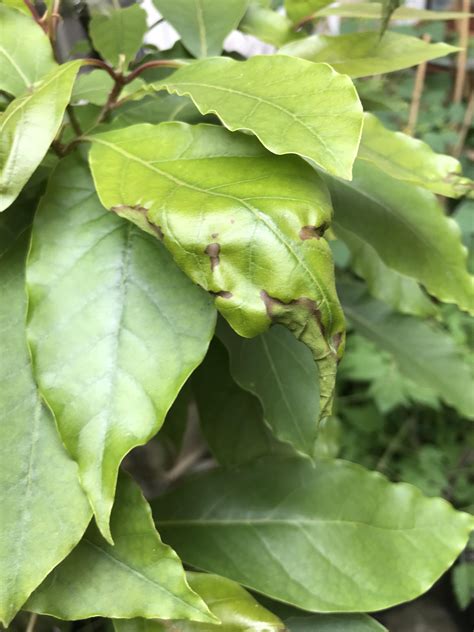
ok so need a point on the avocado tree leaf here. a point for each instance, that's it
(291, 105)
(235, 608)
(28, 126)
(138, 576)
(231, 418)
(202, 24)
(242, 223)
(412, 160)
(25, 52)
(44, 510)
(119, 34)
(408, 229)
(388, 8)
(297, 10)
(364, 54)
(424, 353)
(279, 370)
(333, 623)
(400, 292)
(374, 10)
(93, 87)
(156, 108)
(330, 537)
(110, 358)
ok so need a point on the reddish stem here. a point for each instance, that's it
(165, 63)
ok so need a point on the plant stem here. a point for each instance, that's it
(466, 124)
(98, 63)
(31, 622)
(164, 63)
(462, 57)
(417, 92)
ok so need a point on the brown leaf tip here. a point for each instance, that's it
(312, 232)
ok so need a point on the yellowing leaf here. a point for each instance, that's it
(291, 105)
(411, 160)
(242, 223)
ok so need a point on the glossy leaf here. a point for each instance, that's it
(412, 160)
(280, 372)
(156, 108)
(267, 25)
(423, 353)
(408, 229)
(202, 24)
(118, 36)
(330, 537)
(243, 224)
(373, 10)
(27, 128)
(333, 623)
(25, 52)
(93, 87)
(299, 9)
(398, 291)
(138, 576)
(291, 105)
(230, 603)
(364, 54)
(106, 356)
(44, 510)
(231, 418)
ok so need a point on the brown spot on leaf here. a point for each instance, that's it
(215, 235)
(312, 232)
(336, 340)
(213, 250)
(222, 294)
(152, 228)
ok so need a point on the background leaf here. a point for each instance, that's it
(411, 160)
(374, 10)
(329, 538)
(408, 229)
(44, 510)
(291, 105)
(119, 34)
(110, 358)
(25, 52)
(27, 128)
(138, 576)
(334, 623)
(425, 354)
(299, 9)
(202, 24)
(364, 54)
(243, 224)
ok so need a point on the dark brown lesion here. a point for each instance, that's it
(213, 250)
(313, 232)
(143, 222)
(222, 294)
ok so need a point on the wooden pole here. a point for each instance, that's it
(417, 92)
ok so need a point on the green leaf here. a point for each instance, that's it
(93, 87)
(400, 292)
(291, 105)
(334, 623)
(425, 354)
(374, 10)
(202, 24)
(231, 418)
(299, 9)
(411, 160)
(138, 576)
(267, 25)
(230, 603)
(16, 4)
(280, 372)
(463, 583)
(27, 128)
(364, 54)
(118, 36)
(155, 109)
(110, 358)
(44, 510)
(25, 52)
(407, 228)
(329, 538)
(242, 223)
